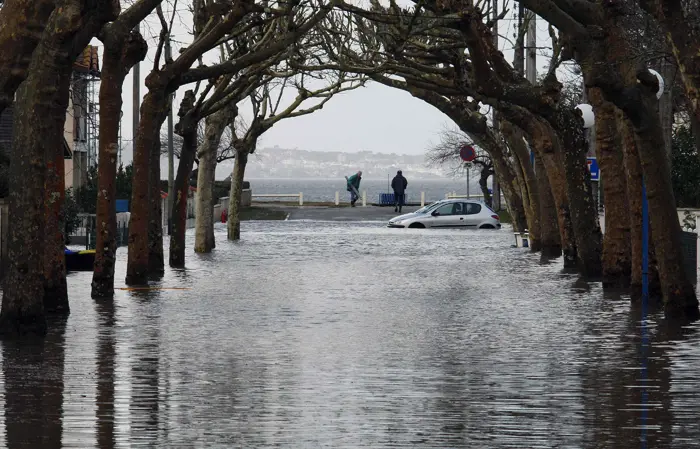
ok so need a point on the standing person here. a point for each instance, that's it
(399, 184)
(353, 186)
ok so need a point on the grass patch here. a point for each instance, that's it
(262, 213)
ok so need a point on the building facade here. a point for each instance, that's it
(80, 127)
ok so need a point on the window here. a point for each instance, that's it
(445, 209)
(471, 208)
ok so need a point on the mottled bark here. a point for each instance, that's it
(609, 152)
(544, 143)
(234, 216)
(584, 215)
(153, 113)
(527, 184)
(118, 58)
(155, 214)
(633, 89)
(187, 129)
(634, 178)
(23, 22)
(55, 286)
(39, 119)
(39, 114)
(207, 153)
(679, 294)
(549, 218)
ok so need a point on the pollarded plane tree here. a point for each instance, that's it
(483, 73)
(595, 36)
(123, 48)
(40, 108)
(219, 109)
(358, 45)
(215, 23)
(271, 103)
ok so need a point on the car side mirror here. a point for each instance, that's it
(435, 213)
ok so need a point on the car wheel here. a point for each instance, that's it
(487, 226)
(417, 226)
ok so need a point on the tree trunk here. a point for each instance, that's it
(633, 172)
(679, 294)
(207, 152)
(552, 160)
(155, 217)
(23, 22)
(484, 174)
(234, 208)
(528, 186)
(631, 89)
(39, 116)
(549, 217)
(153, 112)
(187, 128)
(55, 286)
(119, 57)
(584, 215)
(616, 240)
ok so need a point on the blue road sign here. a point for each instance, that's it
(593, 169)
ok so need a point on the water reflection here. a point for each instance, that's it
(106, 374)
(348, 335)
(33, 384)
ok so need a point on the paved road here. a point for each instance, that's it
(359, 213)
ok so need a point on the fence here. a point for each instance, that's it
(299, 195)
(85, 234)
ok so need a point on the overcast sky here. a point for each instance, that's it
(375, 118)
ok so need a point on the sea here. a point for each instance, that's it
(322, 190)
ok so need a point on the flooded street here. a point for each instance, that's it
(347, 334)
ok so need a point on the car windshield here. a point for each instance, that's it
(428, 208)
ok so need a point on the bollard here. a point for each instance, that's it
(301, 199)
(337, 198)
(364, 198)
(422, 199)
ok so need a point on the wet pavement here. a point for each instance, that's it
(349, 335)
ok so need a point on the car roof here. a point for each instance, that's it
(459, 200)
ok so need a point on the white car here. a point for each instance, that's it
(454, 213)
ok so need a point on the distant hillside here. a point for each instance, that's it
(292, 163)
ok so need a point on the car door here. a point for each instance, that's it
(442, 217)
(471, 214)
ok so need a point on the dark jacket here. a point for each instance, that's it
(399, 184)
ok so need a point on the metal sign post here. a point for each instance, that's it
(468, 167)
(467, 153)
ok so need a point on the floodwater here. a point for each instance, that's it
(351, 335)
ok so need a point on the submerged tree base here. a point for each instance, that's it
(56, 299)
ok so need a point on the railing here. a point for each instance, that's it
(299, 195)
(85, 232)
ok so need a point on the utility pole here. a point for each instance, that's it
(531, 61)
(136, 88)
(496, 197)
(531, 57)
(171, 160)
